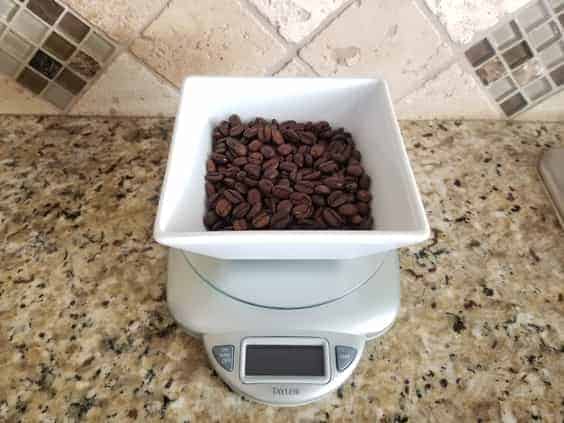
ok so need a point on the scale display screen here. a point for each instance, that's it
(284, 360)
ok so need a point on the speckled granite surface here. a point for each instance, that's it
(84, 328)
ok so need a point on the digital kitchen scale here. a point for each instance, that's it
(284, 332)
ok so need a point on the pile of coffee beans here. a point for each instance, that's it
(266, 174)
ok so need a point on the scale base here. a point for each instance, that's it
(224, 314)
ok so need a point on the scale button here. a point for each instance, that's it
(225, 356)
(345, 356)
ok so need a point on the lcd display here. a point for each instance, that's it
(284, 360)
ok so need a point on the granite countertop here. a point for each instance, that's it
(85, 332)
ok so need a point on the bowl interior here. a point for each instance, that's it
(361, 106)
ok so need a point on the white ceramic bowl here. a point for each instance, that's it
(362, 106)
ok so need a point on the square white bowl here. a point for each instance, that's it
(360, 105)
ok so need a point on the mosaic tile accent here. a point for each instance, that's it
(50, 50)
(521, 61)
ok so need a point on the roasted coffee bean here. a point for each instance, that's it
(267, 133)
(236, 147)
(254, 145)
(351, 186)
(212, 200)
(254, 196)
(260, 134)
(334, 182)
(355, 170)
(237, 130)
(364, 196)
(270, 173)
(364, 181)
(317, 151)
(241, 210)
(224, 128)
(210, 166)
(242, 188)
(277, 137)
(233, 196)
(251, 182)
(240, 161)
(267, 151)
(281, 191)
(308, 160)
(328, 167)
(255, 210)
(223, 207)
(285, 182)
(310, 176)
(241, 175)
(210, 189)
(322, 189)
(356, 220)
(363, 209)
(218, 158)
(304, 187)
(271, 163)
(280, 220)
(284, 149)
(308, 138)
(291, 136)
(234, 120)
(336, 199)
(284, 206)
(261, 220)
(332, 218)
(288, 166)
(265, 186)
(300, 198)
(240, 225)
(367, 223)
(214, 176)
(210, 218)
(318, 200)
(347, 210)
(251, 132)
(256, 158)
(302, 211)
(253, 170)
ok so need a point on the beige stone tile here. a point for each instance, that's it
(120, 19)
(207, 38)
(295, 68)
(296, 19)
(464, 18)
(128, 88)
(16, 100)
(452, 94)
(389, 38)
(551, 109)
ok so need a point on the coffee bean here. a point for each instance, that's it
(348, 210)
(355, 170)
(223, 207)
(240, 161)
(334, 182)
(317, 151)
(285, 206)
(367, 223)
(210, 218)
(254, 196)
(210, 189)
(253, 170)
(308, 138)
(254, 145)
(356, 220)
(230, 182)
(280, 220)
(250, 132)
(271, 163)
(261, 220)
(234, 119)
(285, 182)
(322, 189)
(265, 186)
(351, 186)
(241, 210)
(214, 176)
(267, 133)
(267, 151)
(363, 209)
(291, 136)
(281, 191)
(364, 181)
(256, 158)
(233, 196)
(328, 167)
(218, 158)
(277, 137)
(310, 176)
(284, 149)
(304, 187)
(270, 173)
(302, 211)
(260, 133)
(251, 182)
(210, 166)
(241, 187)
(240, 225)
(288, 166)
(336, 199)
(241, 175)
(300, 198)
(255, 210)
(364, 196)
(332, 218)
(237, 130)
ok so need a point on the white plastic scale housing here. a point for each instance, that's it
(329, 291)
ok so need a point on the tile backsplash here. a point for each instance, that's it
(442, 58)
